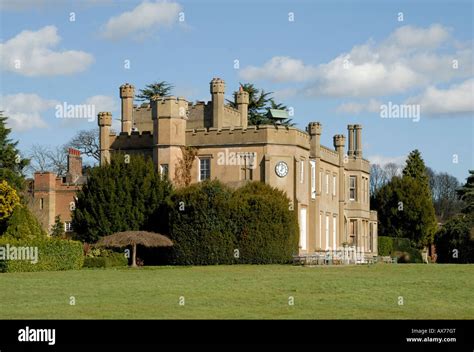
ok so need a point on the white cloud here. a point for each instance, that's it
(456, 99)
(102, 103)
(384, 160)
(407, 59)
(280, 69)
(24, 110)
(142, 20)
(29, 53)
(355, 108)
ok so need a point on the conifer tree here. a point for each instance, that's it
(121, 196)
(11, 164)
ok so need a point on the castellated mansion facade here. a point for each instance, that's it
(328, 187)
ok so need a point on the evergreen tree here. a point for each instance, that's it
(415, 168)
(11, 164)
(121, 196)
(404, 211)
(260, 102)
(58, 228)
(466, 194)
(161, 89)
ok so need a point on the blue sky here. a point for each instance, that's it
(337, 62)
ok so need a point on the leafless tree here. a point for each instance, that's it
(377, 178)
(391, 170)
(87, 141)
(39, 158)
(45, 158)
(58, 159)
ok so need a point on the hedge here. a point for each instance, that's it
(399, 247)
(200, 225)
(112, 260)
(53, 254)
(211, 224)
(266, 230)
(385, 245)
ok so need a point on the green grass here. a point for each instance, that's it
(243, 291)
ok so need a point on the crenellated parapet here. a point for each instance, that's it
(263, 134)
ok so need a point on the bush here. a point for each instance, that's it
(114, 260)
(385, 245)
(104, 259)
(211, 224)
(22, 224)
(200, 225)
(455, 240)
(53, 254)
(266, 230)
(399, 247)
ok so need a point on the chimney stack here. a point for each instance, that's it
(74, 165)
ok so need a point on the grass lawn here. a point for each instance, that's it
(243, 291)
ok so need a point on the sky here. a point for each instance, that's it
(404, 69)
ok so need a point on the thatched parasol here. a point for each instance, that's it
(132, 238)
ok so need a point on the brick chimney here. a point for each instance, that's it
(74, 165)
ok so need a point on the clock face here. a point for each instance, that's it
(281, 169)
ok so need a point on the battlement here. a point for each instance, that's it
(263, 134)
(127, 91)
(130, 141)
(104, 119)
(217, 85)
(315, 128)
(339, 141)
(329, 155)
(231, 111)
(169, 107)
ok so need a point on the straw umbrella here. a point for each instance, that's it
(132, 238)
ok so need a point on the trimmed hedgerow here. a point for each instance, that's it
(211, 224)
(266, 229)
(106, 259)
(385, 245)
(53, 254)
(200, 225)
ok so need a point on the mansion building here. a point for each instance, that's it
(328, 187)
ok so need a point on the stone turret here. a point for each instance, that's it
(315, 130)
(242, 101)
(217, 88)
(127, 92)
(105, 121)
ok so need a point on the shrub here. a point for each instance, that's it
(200, 226)
(209, 222)
(454, 241)
(103, 258)
(22, 224)
(385, 245)
(120, 196)
(399, 247)
(114, 260)
(266, 230)
(53, 254)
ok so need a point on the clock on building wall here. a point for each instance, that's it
(281, 169)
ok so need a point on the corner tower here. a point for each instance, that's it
(127, 92)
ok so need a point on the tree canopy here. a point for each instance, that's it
(12, 164)
(260, 102)
(120, 196)
(161, 89)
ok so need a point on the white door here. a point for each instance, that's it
(303, 228)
